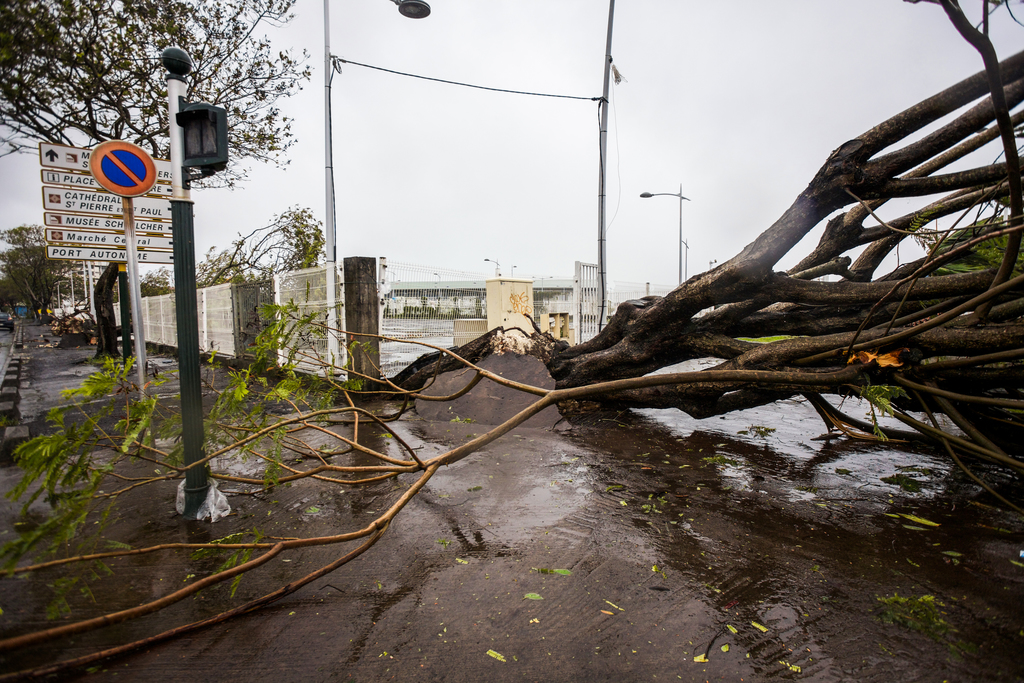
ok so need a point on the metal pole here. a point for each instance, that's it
(136, 293)
(330, 228)
(681, 233)
(92, 293)
(126, 317)
(602, 265)
(179, 65)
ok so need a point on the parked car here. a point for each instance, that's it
(6, 321)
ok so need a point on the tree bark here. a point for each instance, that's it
(106, 323)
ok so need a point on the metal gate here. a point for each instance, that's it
(247, 300)
(586, 301)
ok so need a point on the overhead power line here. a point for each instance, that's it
(337, 61)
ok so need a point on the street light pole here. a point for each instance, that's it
(683, 274)
(497, 267)
(414, 9)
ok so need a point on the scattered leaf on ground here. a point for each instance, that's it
(615, 487)
(461, 561)
(759, 627)
(615, 606)
(732, 629)
(533, 596)
(919, 520)
(952, 553)
(497, 655)
(914, 528)
(604, 611)
(725, 648)
(474, 488)
(313, 510)
(700, 658)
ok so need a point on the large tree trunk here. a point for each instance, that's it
(951, 303)
(106, 323)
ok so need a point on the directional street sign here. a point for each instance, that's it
(86, 181)
(73, 253)
(71, 220)
(105, 239)
(103, 203)
(125, 169)
(77, 159)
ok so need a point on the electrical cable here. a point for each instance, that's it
(339, 60)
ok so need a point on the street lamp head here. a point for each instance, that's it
(414, 9)
(176, 61)
(646, 195)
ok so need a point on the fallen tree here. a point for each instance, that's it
(944, 330)
(943, 333)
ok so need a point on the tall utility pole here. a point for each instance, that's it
(602, 260)
(414, 9)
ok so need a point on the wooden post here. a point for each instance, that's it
(362, 314)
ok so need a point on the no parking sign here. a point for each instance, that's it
(125, 169)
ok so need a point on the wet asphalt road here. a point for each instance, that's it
(684, 541)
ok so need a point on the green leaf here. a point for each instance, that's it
(533, 596)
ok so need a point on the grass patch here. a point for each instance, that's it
(719, 460)
(918, 614)
(906, 483)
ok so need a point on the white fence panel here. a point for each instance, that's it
(307, 290)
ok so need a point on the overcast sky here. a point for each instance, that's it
(739, 102)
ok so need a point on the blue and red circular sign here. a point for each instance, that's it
(125, 169)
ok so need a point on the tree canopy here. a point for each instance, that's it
(28, 276)
(85, 71)
(291, 241)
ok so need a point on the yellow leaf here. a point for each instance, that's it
(604, 611)
(700, 658)
(759, 627)
(497, 655)
(732, 629)
(919, 520)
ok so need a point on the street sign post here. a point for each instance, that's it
(105, 239)
(87, 182)
(76, 221)
(128, 171)
(72, 252)
(77, 159)
(76, 200)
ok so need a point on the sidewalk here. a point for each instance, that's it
(669, 531)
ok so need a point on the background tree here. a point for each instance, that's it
(26, 270)
(157, 282)
(293, 240)
(80, 72)
(85, 71)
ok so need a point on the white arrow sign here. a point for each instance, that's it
(88, 182)
(72, 220)
(116, 239)
(72, 253)
(77, 159)
(86, 201)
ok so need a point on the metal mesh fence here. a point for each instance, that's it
(423, 303)
(418, 303)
